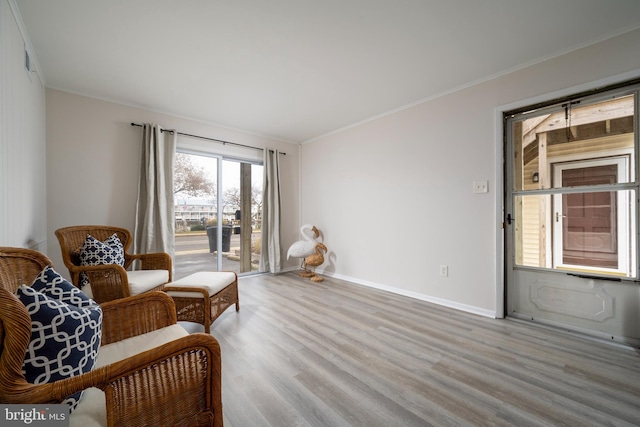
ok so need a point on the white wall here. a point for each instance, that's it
(93, 163)
(393, 197)
(23, 215)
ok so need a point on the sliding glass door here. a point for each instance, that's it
(217, 214)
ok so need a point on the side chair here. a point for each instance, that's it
(149, 370)
(112, 281)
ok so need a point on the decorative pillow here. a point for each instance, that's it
(64, 339)
(50, 283)
(95, 252)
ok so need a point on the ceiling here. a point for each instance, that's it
(298, 69)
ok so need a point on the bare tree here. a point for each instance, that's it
(256, 200)
(231, 198)
(190, 179)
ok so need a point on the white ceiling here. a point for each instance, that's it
(298, 69)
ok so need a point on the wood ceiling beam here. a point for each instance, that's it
(608, 110)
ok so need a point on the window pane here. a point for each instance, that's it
(194, 191)
(590, 232)
(597, 130)
(196, 198)
(256, 213)
(532, 219)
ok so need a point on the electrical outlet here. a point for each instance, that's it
(480, 187)
(444, 270)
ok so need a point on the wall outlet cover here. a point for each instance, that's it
(480, 187)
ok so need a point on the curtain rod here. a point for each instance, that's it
(208, 139)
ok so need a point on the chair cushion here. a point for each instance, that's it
(92, 411)
(95, 252)
(65, 339)
(143, 280)
(212, 281)
(140, 281)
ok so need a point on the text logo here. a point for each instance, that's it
(34, 415)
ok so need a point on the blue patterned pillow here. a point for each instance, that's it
(65, 339)
(95, 252)
(52, 284)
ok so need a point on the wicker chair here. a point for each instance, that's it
(177, 383)
(112, 281)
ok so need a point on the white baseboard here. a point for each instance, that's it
(422, 297)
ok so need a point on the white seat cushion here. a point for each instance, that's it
(91, 410)
(140, 281)
(124, 349)
(212, 281)
(143, 280)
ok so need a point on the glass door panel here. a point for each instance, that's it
(196, 214)
(218, 213)
(583, 231)
(572, 187)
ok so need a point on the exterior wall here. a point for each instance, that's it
(93, 162)
(23, 210)
(394, 196)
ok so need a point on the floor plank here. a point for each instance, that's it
(300, 353)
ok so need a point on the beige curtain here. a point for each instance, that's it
(155, 226)
(270, 256)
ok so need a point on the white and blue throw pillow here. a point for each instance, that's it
(65, 339)
(95, 252)
(50, 283)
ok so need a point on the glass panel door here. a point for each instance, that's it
(218, 213)
(572, 213)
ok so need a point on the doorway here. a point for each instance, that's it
(218, 214)
(571, 200)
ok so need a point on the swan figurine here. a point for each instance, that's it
(305, 247)
(316, 259)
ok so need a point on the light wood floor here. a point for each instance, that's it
(337, 354)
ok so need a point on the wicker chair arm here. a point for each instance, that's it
(108, 281)
(151, 261)
(128, 317)
(77, 269)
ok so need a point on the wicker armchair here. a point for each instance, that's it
(177, 383)
(112, 281)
